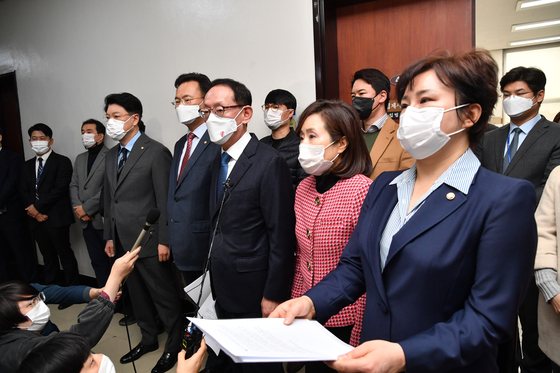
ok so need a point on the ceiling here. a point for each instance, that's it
(495, 18)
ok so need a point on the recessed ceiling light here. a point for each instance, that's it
(533, 25)
(533, 41)
(525, 4)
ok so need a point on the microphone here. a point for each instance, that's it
(227, 184)
(151, 218)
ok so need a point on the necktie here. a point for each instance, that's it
(124, 153)
(39, 172)
(512, 149)
(223, 173)
(186, 156)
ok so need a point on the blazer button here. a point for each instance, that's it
(116, 202)
(172, 222)
(308, 234)
(317, 201)
(176, 200)
(308, 266)
(85, 187)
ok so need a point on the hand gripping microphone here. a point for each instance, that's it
(151, 218)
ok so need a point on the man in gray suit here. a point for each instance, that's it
(85, 193)
(527, 148)
(136, 181)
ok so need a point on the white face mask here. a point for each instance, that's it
(106, 365)
(312, 159)
(220, 129)
(40, 147)
(115, 128)
(39, 316)
(187, 114)
(515, 106)
(273, 119)
(88, 140)
(420, 131)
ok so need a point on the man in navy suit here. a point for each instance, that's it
(251, 205)
(527, 148)
(45, 193)
(188, 199)
(13, 231)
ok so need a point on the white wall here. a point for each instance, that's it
(68, 55)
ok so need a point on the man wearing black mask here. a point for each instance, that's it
(370, 97)
(85, 193)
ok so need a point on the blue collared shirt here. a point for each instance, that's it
(128, 146)
(525, 128)
(459, 176)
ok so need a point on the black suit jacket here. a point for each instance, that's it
(535, 159)
(10, 171)
(188, 204)
(53, 189)
(253, 253)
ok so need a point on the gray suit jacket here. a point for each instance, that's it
(534, 160)
(141, 187)
(85, 190)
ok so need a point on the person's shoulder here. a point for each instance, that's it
(60, 158)
(548, 124)
(494, 185)
(359, 180)
(266, 140)
(153, 144)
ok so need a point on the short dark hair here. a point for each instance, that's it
(281, 97)
(100, 128)
(203, 82)
(10, 294)
(241, 93)
(473, 75)
(129, 102)
(535, 78)
(40, 127)
(341, 120)
(61, 352)
(376, 79)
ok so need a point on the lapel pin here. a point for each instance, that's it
(205, 142)
(450, 196)
(142, 148)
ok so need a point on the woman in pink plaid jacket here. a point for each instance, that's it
(328, 203)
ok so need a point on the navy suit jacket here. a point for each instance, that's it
(535, 159)
(53, 189)
(455, 273)
(188, 204)
(253, 252)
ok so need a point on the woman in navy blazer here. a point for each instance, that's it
(445, 250)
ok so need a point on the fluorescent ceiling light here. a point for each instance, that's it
(529, 4)
(533, 25)
(533, 41)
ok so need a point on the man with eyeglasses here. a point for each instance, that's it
(136, 181)
(252, 212)
(279, 109)
(526, 148)
(188, 201)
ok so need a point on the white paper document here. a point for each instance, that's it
(193, 289)
(269, 340)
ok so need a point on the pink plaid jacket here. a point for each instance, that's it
(324, 224)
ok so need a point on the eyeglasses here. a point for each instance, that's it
(272, 107)
(218, 110)
(185, 101)
(506, 95)
(35, 300)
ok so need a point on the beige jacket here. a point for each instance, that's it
(387, 153)
(548, 224)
